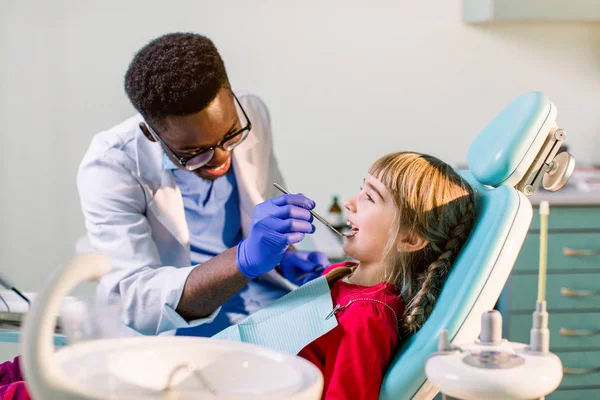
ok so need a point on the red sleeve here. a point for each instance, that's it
(355, 369)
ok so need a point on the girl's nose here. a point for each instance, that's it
(350, 204)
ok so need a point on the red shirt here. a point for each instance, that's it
(354, 355)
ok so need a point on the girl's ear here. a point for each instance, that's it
(409, 242)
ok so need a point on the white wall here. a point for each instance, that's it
(346, 82)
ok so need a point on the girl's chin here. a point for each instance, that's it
(350, 251)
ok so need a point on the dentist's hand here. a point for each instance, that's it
(300, 267)
(276, 224)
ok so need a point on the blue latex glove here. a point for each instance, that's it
(276, 224)
(300, 267)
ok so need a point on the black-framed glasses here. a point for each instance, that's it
(203, 156)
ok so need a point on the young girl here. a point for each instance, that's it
(411, 218)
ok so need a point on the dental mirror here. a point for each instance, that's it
(317, 216)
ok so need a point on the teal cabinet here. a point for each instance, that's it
(572, 295)
(576, 394)
(567, 251)
(564, 291)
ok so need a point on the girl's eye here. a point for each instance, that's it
(367, 195)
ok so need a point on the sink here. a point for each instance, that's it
(152, 367)
(140, 367)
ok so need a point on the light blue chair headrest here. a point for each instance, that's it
(505, 148)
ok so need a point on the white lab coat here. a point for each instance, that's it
(134, 214)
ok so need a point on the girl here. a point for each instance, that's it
(411, 218)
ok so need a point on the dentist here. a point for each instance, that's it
(176, 197)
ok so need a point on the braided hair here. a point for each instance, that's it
(432, 202)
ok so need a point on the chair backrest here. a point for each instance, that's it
(498, 158)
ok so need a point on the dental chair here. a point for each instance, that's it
(513, 155)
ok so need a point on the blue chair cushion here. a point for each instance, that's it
(498, 150)
(496, 210)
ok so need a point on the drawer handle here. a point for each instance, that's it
(580, 371)
(578, 332)
(583, 252)
(578, 293)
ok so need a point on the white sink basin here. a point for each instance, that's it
(140, 368)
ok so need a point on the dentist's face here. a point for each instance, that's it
(371, 213)
(188, 134)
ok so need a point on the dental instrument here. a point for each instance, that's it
(8, 285)
(318, 217)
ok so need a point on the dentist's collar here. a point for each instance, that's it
(167, 163)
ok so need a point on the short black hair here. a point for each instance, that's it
(175, 74)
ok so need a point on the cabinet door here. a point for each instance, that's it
(577, 394)
(568, 291)
(580, 368)
(568, 331)
(566, 252)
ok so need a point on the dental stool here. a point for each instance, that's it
(513, 155)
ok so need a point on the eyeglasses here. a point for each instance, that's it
(203, 156)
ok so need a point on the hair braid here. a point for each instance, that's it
(432, 279)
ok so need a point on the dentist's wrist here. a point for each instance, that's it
(242, 261)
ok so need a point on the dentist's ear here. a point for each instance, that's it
(146, 132)
(409, 242)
